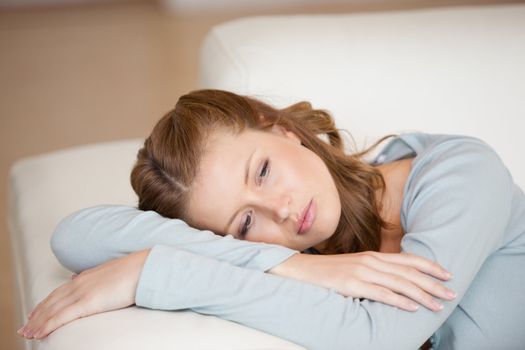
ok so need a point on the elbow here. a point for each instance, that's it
(63, 244)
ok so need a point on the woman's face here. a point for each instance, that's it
(256, 186)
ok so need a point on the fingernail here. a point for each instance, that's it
(414, 306)
(437, 305)
(451, 294)
(20, 330)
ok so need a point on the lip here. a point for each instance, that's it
(307, 218)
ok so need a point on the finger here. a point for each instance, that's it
(60, 314)
(47, 313)
(422, 264)
(387, 296)
(406, 288)
(40, 312)
(36, 314)
(420, 279)
(401, 286)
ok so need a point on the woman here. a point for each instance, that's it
(244, 170)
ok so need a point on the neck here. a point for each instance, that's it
(395, 175)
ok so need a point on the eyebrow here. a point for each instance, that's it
(246, 174)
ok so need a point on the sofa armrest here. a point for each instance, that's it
(46, 188)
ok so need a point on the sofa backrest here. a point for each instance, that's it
(455, 70)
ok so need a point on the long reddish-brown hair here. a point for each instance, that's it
(167, 164)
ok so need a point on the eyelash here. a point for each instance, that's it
(264, 170)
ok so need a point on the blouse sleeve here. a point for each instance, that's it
(92, 236)
(458, 209)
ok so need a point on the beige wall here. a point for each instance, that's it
(76, 75)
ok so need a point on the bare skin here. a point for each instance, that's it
(372, 264)
(395, 175)
(385, 276)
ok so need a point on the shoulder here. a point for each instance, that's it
(429, 143)
(457, 206)
(454, 174)
(447, 157)
(420, 145)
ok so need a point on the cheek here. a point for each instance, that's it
(267, 232)
(309, 170)
(265, 238)
(300, 168)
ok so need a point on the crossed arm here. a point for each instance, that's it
(169, 276)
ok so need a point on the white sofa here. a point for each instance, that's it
(453, 70)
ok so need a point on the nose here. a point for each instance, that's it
(282, 208)
(278, 206)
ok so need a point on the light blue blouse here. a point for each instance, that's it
(461, 208)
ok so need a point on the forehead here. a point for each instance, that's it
(220, 178)
(225, 150)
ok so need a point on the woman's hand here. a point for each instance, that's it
(107, 287)
(399, 280)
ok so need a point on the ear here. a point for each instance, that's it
(280, 130)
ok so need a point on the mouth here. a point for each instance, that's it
(307, 218)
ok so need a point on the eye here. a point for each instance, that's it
(246, 224)
(264, 173)
(265, 170)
